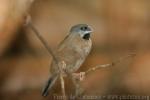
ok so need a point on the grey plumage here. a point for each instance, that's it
(73, 50)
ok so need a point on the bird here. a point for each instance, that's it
(73, 50)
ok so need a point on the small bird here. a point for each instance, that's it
(73, 50)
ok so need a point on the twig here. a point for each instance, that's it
(108, 65)
(31, 26)
(62, 80)
(81, 75)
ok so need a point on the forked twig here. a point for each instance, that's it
(62, 64)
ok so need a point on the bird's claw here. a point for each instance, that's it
(79, 76)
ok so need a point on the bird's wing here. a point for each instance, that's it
(63, 42)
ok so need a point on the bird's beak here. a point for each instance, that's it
(88, 32)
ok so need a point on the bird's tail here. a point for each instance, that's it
(51, 81)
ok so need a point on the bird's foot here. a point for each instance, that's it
(79, 76)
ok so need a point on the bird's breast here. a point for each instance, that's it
(77, 55)
(74, 53)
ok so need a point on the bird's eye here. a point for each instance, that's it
(83, 28)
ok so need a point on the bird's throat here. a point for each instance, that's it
(86, 36)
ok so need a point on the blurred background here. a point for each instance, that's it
(120, 27)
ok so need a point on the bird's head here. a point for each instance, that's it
(83, 30)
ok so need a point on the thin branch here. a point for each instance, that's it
(81, 75)
(62, 81)
(60, 65)
(108, 65)
(32, 27)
